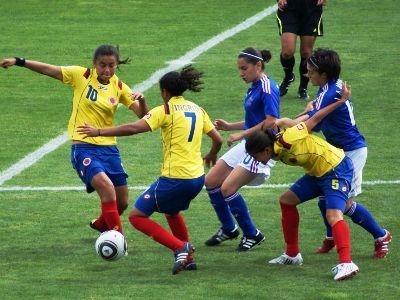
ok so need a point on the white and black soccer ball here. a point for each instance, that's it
(111, 245)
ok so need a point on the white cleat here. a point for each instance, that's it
(344, 271)
(287, 260)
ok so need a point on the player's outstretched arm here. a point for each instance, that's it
(319, 115)
(211, 157)
(122, 130)
(287, 122)
(36, 66)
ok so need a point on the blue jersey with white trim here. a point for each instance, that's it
(339, 127)
(261, 99)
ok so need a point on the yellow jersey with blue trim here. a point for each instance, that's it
(94, 103)
(182, 125)
(297, 147)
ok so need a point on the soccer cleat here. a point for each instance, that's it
(222, 236)
(285, 259)
(284, 86)
(247, 244)
(344, 271)
(191, 266)
(327, 245)
(382, 245)
(93, 226)
(182, 257)
(302, 94)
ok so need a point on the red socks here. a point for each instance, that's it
(178, 227)
(341, 236)
(290, 228)
(156, 232)
(109, 213)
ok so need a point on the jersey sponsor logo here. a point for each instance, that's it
(112, 100)
(300, 126)
(147, 116)
(86, 161)
(344, 189)
(146, 197)
(102, 88)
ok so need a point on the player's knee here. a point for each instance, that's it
(287, 53)
(289, 198)
(122, 207)
(333, 216)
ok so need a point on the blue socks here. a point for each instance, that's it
(232, 205)
(221, 208)
(359, 215)
(241, 213)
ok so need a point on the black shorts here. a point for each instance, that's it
(301, 17)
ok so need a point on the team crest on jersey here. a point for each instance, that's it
(102, 88)
(112, 100)
(147, 196)
(87, 161)
(148, 116)
(300, 126)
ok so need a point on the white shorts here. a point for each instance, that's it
(237, 156)
(359, 158)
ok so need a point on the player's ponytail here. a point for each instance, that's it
(252, 55)
(176, 83)
(109, 50)
(259, 140)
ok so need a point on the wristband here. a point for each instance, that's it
(19, 61)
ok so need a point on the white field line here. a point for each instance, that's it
(142, 188)
(187, 58)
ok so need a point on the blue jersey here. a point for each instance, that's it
(262, 99)
(339, 127)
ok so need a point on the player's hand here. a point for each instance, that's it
(7, 62)
(282, 4)
(88, 131)
(210, 160)
(234, 137)
(221, 124)
(137, 96)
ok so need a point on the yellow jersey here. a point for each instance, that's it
(94, 103)
(296, 147)
(182, 125)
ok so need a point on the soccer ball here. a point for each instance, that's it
(111, 245)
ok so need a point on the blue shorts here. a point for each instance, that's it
(89, 160)
(169, 195)
(334, 185)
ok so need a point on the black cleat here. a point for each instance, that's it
(302, 93)
(247, 244)
(182, 257)
(222, 236)
(285, 84)
(93, 226)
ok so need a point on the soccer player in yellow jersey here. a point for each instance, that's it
(182, 125)
(97, 93)
(329, 173)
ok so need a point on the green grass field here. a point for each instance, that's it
(47, 249)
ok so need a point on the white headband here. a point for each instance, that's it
(255, 56)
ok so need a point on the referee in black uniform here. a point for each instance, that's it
(298, 18)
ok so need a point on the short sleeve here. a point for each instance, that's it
(155, 117)
(271, 105)
(71, 74)
(295, 133)
(125, 97)
(207, 124)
